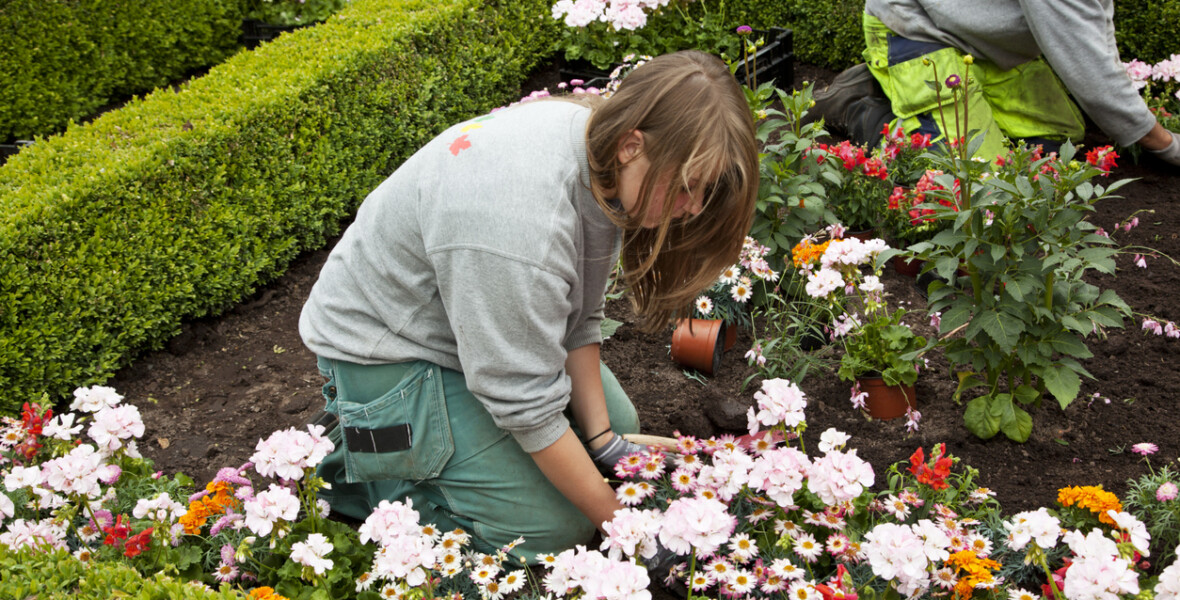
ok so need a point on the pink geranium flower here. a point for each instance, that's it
(702, 524)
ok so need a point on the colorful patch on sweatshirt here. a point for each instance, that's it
(459, 145)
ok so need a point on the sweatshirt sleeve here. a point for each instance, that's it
(1076, 38)
(509, 317)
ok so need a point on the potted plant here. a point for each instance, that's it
(726, 302)
(881, 352)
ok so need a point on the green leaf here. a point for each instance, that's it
(1070, 344)
(1063, 383)
(967, 380)
(1005, 332)
(978, 419)
(1018, 426)
(609, 327)
(954, 318)
(1026, 394)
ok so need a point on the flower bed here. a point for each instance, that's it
(757, 516)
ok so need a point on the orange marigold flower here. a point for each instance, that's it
(806, 252)
(265, 593)
(1092, 498)
(972, 572)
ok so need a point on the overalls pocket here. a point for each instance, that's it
(404, 434)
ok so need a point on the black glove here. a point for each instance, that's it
(609, 454)
(660, 570)
(1170, 154)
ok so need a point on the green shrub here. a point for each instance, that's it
(57, 575)
(1146, 29)
(181, 204)
(64, 59)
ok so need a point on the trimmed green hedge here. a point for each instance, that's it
(181, 204)
(1146, 29)
(64, 59)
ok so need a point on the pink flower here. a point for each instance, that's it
(936, 319)
(389, 521)
(1145, 448)
(858, 397)
(1170, 330)
(288, 453)
(1152, 326)
(631, 533)
(1167, 491)
(114, 424)
(270, 506)
(839, 477)
(1140, 262)
(780, 473)
(702, 524)
(780, 401)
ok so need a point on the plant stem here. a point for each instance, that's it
(1052, 582)
(692, 570)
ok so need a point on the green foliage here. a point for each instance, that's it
(57, 575)
(291, 12)
(183, 203)
(63, 59)
(792, 196)
(885, 345)
(1162, 517)
(1146, 29)
(827, 32)
(1016, 254)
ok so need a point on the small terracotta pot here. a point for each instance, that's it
(730, 337)
(698, 343)
(910, 267)
(886, 402)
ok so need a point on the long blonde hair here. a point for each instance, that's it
(695, 123)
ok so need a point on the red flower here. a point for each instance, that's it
(895, 198)
(834, 589)
(117, 532)
(933, 475)
(137, 543)
(1103, 158)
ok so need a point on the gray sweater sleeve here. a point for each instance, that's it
(1077, 39)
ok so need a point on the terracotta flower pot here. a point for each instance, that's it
(698, 343)
(730, 337)
(910, 267)
(886, 402)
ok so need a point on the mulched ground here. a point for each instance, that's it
(226, 382)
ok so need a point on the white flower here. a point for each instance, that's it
(268, 507)
(823, 282)
(730, 274)
(839, 476)
(62, 427)
(1035, 525)
(832, 439)
(1140, 538)
(780, 401)
(872, 285)
(287, 454)
(162, 508)
(21, 477)
(704, 305)
(94, 399)
(312, 553)
(1168, 587)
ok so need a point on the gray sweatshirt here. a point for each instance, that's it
(486, 253)
(1076, 37)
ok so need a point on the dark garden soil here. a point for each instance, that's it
(226, 382)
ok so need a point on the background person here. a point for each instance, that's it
(1030, 58)
(458, 318)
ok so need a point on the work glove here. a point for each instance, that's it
(609, 454)
(660, 567)
(1170, 154)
